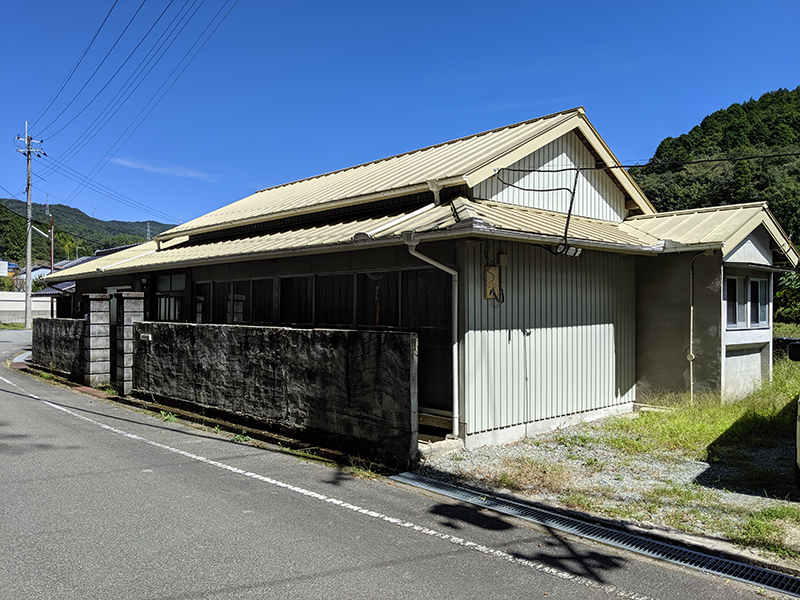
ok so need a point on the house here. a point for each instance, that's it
(543, 286)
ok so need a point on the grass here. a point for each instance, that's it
(525, 473)
(168, 417)
(361, 468)
(12, 325)
(242, 438)
(786, 330)
(766, 529)
(710, 430)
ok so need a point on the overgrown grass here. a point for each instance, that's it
(524, 473)
(786, 329)
(710, 430)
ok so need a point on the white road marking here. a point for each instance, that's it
(486, 550)
(11, 383)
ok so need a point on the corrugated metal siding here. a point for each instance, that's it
(562, 343)
(597, 197)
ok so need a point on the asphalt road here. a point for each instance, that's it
(101, 501)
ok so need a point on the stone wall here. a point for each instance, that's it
(354, 389)
(58, 345)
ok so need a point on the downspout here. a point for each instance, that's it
(408, 238)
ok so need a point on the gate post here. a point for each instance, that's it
(130, 310)
(96, 340)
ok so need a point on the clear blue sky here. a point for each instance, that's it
(288, 90)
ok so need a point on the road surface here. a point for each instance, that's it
(102, 501)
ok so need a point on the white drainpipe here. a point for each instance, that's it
(408, 238)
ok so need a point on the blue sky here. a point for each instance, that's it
(283, 91)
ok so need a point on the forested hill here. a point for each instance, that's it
(75, 231)
(769, 125)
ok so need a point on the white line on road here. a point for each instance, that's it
(579, 579)
(11, 383)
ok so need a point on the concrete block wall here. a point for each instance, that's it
(58, 345)
(356, 389)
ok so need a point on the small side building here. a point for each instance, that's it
(704, 315)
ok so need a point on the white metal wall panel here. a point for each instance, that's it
(562, 343)
(597, 197)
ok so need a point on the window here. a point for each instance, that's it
(297, 301)
(262, 301)
(169, 296)
(378, 300)
(334, 300)
(759, 303)
(747, 302)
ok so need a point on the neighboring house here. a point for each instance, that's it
(542, 284)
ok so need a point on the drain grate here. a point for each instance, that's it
(772, 580)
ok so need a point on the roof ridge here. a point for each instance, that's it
(577, 109)
(691, 211)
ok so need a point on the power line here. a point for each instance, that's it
(133, 81)
(42, 113)
(87, 182)
(649, 164)
(107, 83)
(96, 69)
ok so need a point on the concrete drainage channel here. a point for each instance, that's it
(771, 580)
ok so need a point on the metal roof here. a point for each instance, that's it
(467, 160)
(464, 218)
(722, 227)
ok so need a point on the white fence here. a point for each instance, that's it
(12, 307)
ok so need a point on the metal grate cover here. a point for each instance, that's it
(772, 580)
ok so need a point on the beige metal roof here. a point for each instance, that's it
(470, 159)
(488, 219)
(715, 227)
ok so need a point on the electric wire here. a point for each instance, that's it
(649, 164)
(131, 129)
(96, 69)
(134, 81)
(55, 96)
(86, 182)
(107, 83)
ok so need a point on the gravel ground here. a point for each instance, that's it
(579, 469)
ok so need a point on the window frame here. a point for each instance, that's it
(743, 310)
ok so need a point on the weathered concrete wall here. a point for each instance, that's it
(58, 345)
(663, 323)
(357, 389)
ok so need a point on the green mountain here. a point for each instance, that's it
(75, 232)
(767, 126)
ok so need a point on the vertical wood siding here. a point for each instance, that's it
(562, 343)
(597, 197)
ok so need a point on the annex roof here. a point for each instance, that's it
(722, 227)
(469, 160)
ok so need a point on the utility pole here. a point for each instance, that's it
(28, 151)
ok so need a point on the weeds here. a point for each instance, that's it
(168, 417)
(361, 468)
(242, 438)
(526, 473)
(765, 529)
